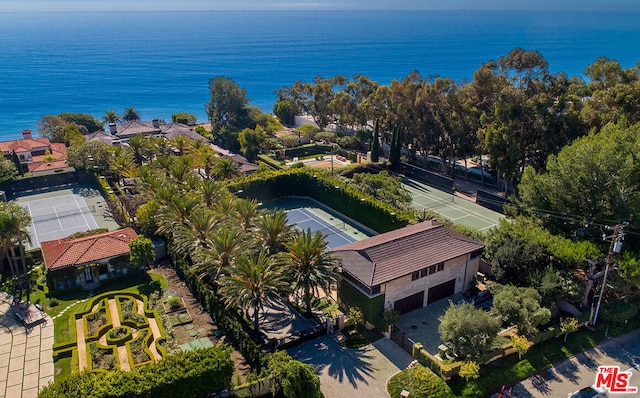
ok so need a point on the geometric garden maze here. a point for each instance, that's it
(118, 331)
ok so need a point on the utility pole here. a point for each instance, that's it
(614, 248)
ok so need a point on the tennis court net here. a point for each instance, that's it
(63, 214)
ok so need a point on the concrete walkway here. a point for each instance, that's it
(26, 362)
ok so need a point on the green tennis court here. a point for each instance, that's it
(454, 208)
(306, 213)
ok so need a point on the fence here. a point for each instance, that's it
(400, 338)
(428, 177)
(41, 182)
(491, 201)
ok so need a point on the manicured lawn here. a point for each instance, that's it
(510, 370)
(64, 329)
(420, 382)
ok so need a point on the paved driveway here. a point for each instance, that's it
(352, 373)
(580, 371)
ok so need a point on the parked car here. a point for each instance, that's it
(589, 392)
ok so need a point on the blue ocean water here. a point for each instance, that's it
(160, 62)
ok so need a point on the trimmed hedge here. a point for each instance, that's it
(324, 188)
(199, 373)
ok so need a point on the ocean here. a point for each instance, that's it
(161, 62)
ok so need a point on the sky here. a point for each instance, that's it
(198, 5)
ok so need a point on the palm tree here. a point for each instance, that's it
(193, 235)
(254, 282)
(273, 230)
(181, 143)
(226, 169)
(138, 144)
(224, 245)
(247, 210)
(210, 191)
(15, 221)
(130, 114)
(314, 267)
(110, 117)
(206, 162)
(6, 241)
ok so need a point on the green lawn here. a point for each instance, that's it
(421, 382)
(510, 370)
(64, 329)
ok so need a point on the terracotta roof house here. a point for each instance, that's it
(36, 154)
(86, 261)
(406, 269)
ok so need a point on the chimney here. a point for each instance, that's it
(155, 123)
(112, 128)
(26, 135)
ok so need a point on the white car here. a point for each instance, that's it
(589, 392)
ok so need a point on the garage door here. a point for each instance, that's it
(410, 303)
(441, 291)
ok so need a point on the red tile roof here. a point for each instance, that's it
(62, 253)
(25, 145)
(58, 151)
(385, 257)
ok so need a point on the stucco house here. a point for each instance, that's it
(86, 261)
(406, 269)
(36, 155)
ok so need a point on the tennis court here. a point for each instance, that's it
(305, 213)
(456, 209)
(58, 217)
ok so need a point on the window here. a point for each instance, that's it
(375, 289)
(423, 272)
(415, 275)
(474, 254)
(432, 269)
(440, 266)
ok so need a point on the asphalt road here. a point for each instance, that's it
(580, 371)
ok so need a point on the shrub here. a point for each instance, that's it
(292, 378)
(189, 374)
(174, 303)
(420, 382)
(53, 302)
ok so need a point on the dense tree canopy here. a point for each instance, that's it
(521, 307)
(468, 329)
(594, 180)
(228, 107)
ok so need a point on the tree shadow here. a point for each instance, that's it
(342, 364)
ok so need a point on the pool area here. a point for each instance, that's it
(307, 213)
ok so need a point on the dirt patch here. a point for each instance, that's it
(200, 319)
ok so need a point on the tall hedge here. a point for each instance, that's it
(228, 321)
(329, 190)
(199, 373)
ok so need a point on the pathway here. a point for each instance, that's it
(123, 357)
(26, 362)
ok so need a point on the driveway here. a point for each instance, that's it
(353, 373)
(580, 371)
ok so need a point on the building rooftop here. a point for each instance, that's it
(67, 252)
(385, 257)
